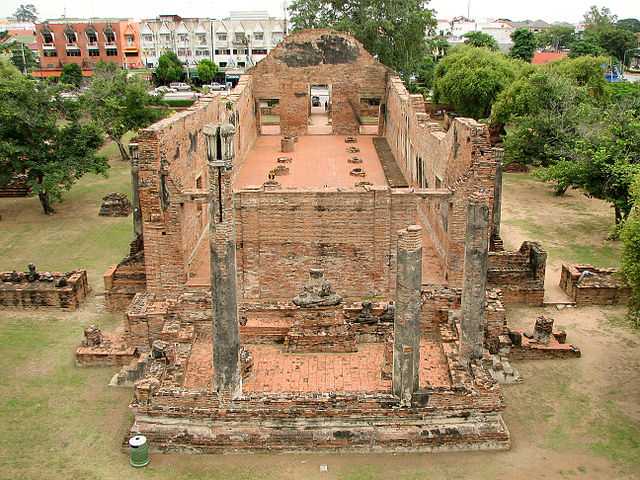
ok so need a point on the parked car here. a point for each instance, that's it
(162, 90)
(180, 86)
(216, 86)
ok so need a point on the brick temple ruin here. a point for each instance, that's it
(317, 265)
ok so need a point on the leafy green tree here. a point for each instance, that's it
(524, 44)
(392, 30)
(557, 37)
(616, 41)
(630, 236)
(481, 39)
(585, 45)
(169, 69)
(119, 103)
(470, 79)
(45, 138)
(26, 13)
(71, 75)
(7, 69)
(207, 70)
(23, 58)
(631, 24)
(597, 18)
(585, 71)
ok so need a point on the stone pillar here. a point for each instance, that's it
(222, 244)
(498, 154)
(406, 327)
(135, 185)
(476, 257)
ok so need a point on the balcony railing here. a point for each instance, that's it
(49, 45)
(72, 46)
(93, 45)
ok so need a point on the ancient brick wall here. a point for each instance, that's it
(173, 163)
(123, 281)
(449, 166)
(44, 293)
(589, 285)
(519, 274)
(351, 235)
(318, 57)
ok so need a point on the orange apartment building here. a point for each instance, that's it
(85, 42)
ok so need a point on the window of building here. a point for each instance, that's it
(50, 53)
(184, 52)
(241, 64)
(259, 51)
(239, 37)
(129, 39)
(201, 38)
(259, 36)
(112, 52)
(202, 52)
(150, 52)
(130, 54)
(183, 37)
(223, 51)
(147, 38)
(70, 36)
(47, 37)
(165, 37)
(222, 37)
(73, 52)
(110, 36)
(92, 37)
(222, 64)
(94, 52)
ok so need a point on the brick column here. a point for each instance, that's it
(498, 154)
(226, 334)
(134, 153)
(476, 252)
(406, 327)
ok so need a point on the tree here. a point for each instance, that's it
(119, 103)
(481, 39)
(470, 79)
(630, 236)
(631, 24)
(169, 69)
(598, 18)
(392, 30)
(207, 70)
(71, 75)
(23, 58)
(45, 138)
(585, 71)
(616, 41)
(585, 45)
(524, 44)
(26, 13)
(557, 37)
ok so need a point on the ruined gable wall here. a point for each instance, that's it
(350, 234)
(175, 148)
(313, 57)
(459, 160)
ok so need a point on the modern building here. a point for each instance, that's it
(85, 42)
(455, 29)
(233, 43)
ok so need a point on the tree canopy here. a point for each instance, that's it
(206, 70)
(169, 69)
(119, 103)
(45, 138)
(556, 38)
(630, 236)
(524, 44)
(392, 30)
(23, 58)
(26, 13)
(71, 75)
(470, 79)
(481, 39)
(631, 24)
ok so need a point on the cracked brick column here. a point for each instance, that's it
(476, 256)
(226, 334)
(498, 154)
(406, 326)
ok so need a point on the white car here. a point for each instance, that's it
(162, 90)
(216, 86)
(180, 86)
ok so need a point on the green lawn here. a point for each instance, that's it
(569, 419)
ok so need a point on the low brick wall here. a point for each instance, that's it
(123, 281)
(589, 285)
(519, 274)
(44, 293)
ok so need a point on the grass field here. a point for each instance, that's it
(573, 419)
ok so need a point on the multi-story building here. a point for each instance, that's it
(454, 30)
(85, 42)
(234, 43)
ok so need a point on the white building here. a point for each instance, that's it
(234, 43)
(454, 30)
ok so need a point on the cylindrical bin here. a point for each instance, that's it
(139, 451)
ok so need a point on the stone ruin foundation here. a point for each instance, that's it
(33, 289)
(306, 309)
(115, 205)
(589, 285)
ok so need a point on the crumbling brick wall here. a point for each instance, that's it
(314, 57)
(123, 281)
(589, 285)
(519, 274)
(351, 235)
(449, 166)
(45, 293)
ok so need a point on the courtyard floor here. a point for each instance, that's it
(571, 419)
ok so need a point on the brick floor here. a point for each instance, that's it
(276, 371)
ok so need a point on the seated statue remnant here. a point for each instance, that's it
(317, 292)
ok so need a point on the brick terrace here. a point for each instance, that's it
(318, 161)
(276, 371)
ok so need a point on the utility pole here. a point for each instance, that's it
(24, 60)
(469, 9)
